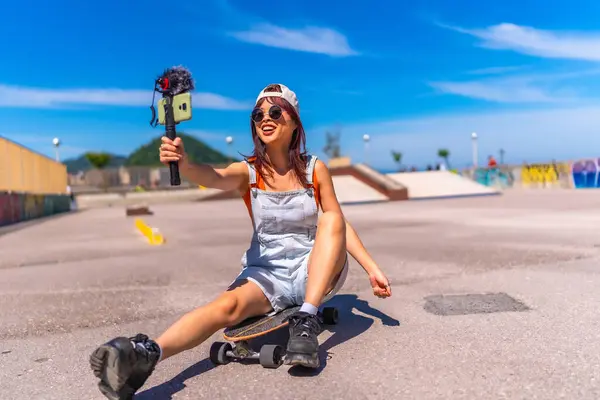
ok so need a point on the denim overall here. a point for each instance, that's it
(285, 226)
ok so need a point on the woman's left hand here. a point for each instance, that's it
(380, 284)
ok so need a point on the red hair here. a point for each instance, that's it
(297, 156)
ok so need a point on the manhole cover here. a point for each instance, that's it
(465, 304)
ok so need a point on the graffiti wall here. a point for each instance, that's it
(31, 184)
(493, 177)
(19, 207)
(546, 175)
(586, 173)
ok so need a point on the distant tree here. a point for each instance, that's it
(100, 161)
(332, 144)
(444, 154)
(397, 156)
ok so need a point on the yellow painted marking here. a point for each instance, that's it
(152, 234)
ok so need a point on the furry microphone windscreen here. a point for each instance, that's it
(180, 80)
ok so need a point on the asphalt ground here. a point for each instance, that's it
(493, 297)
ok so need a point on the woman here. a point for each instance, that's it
(295, 257)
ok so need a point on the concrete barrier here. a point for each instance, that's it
(25, 171)
(21, 207)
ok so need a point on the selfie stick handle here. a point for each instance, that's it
(171, 134)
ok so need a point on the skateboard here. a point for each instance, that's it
(238, 338)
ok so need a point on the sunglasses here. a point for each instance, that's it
(274, 112)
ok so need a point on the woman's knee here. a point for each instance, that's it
(228, 308)
(243, 301)
(332, 221)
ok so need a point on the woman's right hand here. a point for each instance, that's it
(172, 150)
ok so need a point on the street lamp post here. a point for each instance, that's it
(474, 142)
(56, 143)
(366, 139)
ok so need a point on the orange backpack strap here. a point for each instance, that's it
(311, 176)
(255, 180)
(316, 186)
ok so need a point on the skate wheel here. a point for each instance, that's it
(271, 356)
(218, 353)
(330, 315)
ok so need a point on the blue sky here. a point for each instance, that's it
(523, 75)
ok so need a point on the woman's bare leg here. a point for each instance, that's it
(327, 258)
(233, 306)
(325, 263)
(124, 364)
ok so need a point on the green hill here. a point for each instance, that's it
(197, 150)
(147, 155)
(81, 163)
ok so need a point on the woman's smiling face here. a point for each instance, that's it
(274, 125)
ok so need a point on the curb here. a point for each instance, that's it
(153, 235)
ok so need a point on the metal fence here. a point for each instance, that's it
(25, 171)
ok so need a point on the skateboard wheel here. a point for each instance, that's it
(271, 356)
(218, 353)
(330, 315)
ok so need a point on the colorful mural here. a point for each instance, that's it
(31, 185)
(546, 175)
(495, 177)
(586, 174)
(19, 207)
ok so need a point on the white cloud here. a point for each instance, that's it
(218, 102)
(495, 70)
(502, 91)
(540, 88)
(309, 39)
(532, 135)
(538, 42)
(34, 97)
(207, 135)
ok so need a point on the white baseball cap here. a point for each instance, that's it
(285, 94)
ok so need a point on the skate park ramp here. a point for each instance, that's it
(350, 190)
(440, 184)
(360, 184)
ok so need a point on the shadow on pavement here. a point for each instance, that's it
(350, 326)
(176, 384)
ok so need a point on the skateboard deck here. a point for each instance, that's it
(270, 355)
(258, 326)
